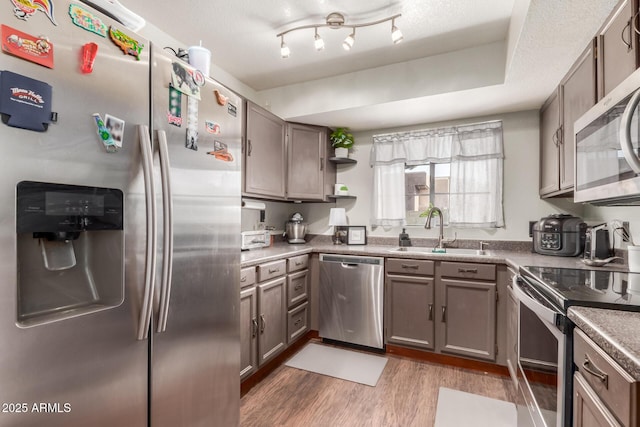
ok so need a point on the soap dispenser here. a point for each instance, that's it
(403, 239)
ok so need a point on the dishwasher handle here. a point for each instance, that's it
(349, 265)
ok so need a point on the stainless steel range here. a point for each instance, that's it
(545, 333)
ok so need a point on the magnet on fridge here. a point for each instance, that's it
(115, 126)
(182, 79)
(212, 127)
(174, 115)
(221, 152)
(104, 134)
(222, 100)
(25, 102)
(23, 9)
(87, 21)
(89, 51)
(192, 124)
(127, 44)
(35, 49)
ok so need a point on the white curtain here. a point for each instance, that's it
(476, 156)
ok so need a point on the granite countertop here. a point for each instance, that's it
(615, 331)
(512, 258)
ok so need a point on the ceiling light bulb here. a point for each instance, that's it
(396, 34)
(319, 43)
(347, 44)
(284, 49)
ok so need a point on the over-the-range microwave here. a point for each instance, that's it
(607, 148)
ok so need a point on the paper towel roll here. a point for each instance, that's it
(248, 204)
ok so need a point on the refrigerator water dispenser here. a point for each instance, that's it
(70, 251)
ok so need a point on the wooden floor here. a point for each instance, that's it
(406, 395)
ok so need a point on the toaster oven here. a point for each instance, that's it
(255, 239)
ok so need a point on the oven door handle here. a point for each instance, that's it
(545, 314)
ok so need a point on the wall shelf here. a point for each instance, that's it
(342, 160)
(339, 196)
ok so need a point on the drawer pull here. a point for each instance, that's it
(273, 270)
(413, 266)
(430, 311)
(243, 279)
(254, 329)
(299, 263)
(263, 323)
(592, 369)
(297, 322)
(297, 287)
(467, 270)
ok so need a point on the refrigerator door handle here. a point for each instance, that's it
(152, 228)
(167, 209)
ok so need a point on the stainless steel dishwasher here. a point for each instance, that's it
(351, 299)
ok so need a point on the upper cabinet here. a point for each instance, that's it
(617, 47)
(286, 161)
(575, 95)
(265, 156)
(310, 175)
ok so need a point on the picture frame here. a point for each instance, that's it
(357, 235)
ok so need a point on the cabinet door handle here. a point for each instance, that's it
(444, 314)
(249, 147)
(273, 270)
(254, 329)
(628, 43)
(560, 141)
(595, 371)
(263, 323)
(467, 270)
(321, 164)
(412, 266)
(430, 311)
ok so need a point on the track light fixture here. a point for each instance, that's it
(284, 49)
(336, 21)
(318, 43)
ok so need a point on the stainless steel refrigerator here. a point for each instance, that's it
(119, 237)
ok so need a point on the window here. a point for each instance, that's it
(458, 169)
(426, 185)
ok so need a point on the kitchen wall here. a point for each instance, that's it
(598, 214)
(521, 201)
(276, 214)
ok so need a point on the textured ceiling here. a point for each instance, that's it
(532, 44)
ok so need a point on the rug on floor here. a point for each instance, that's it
(459, 409)
(338, 363)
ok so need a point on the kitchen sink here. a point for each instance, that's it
(430, 250)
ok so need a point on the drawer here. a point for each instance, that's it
(410, 266)
(297, 322)
(297, 287)
(615, 387)
(272, 269)
(247, 277)
(467, 270)
(298, 263)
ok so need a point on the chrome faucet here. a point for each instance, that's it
(427, 225)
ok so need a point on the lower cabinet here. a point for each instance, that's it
(272, 303)
(274, 310)
(409, 304)
(449, 308)
(588, 409)
(248, 323)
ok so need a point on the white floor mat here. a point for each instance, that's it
(338, 363)
(459, 409)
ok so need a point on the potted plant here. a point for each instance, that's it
(341, 141)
